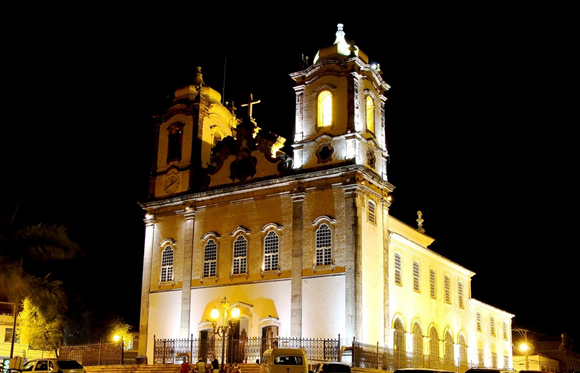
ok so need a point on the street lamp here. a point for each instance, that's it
(223, 330)
(525, 346)
(526, 349)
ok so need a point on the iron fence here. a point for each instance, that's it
(247, 350)
(383, 358)
(95, 354)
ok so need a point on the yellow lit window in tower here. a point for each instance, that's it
(370, 105)
(324, 109)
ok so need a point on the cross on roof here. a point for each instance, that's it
(249, 105)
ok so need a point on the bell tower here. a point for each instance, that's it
(184, 137)
(340, 115)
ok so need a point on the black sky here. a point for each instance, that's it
(478, 128)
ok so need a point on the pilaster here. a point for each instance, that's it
(353, 262)
(297, 264)
(145, 285)
(189, 215)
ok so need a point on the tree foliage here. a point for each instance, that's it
(121, 330)
(40, 331)
(25, 257)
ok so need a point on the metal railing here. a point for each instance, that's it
(248, 350)
(95, 354)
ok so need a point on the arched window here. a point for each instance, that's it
(323, 245)
(210, 259)
(175, 136)
(240, 255)
(462, 351)
(448, 351)
(399, 338)
(271, 251)
(325, 109)
(434, 347)
(167, 264)
(417, 344)
(370, 114)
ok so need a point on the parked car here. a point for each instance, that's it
(53, 365)
(334, 367)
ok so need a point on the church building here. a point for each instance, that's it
(303, 244)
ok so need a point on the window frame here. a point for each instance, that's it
(210, 263)
(167, 265)
(324, 108)
(370, 118)
(267, 256)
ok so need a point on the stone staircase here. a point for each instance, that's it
(154, 368)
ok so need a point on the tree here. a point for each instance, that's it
(21, 253)
(38, 331)
(121, 330)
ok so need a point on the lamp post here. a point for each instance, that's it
(223, 330)
(525, 346)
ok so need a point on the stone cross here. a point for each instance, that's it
(249, 105)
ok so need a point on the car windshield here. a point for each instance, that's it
(287, 360)
(69, 364)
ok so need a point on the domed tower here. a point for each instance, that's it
(340, 116)
(184, 137)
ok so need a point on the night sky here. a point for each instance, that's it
(478, 125)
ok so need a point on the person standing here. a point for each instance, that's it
(185, 367)
(201, 366)
(215, 366)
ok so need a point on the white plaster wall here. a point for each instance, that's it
(164, 318)
(323, 312)
(372, 274)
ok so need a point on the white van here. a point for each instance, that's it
(284, 360)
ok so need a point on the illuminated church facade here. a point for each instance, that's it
(302, 244)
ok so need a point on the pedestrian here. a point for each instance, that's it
(215, 366)
(185, 367)
(201, 366)
(237, 368)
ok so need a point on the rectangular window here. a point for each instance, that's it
(432, 283)
(447, 290)
(210, 259)
(416, 278)
(167, 264)
(371, 207)
(323, 245)
(492, 326)
(271, 252)
(8, 333)
(398, 280)
(460, 293)
(240, 252)
(505, 331)
(478, 319)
